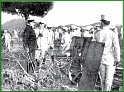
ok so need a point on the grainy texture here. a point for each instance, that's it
(91, 65)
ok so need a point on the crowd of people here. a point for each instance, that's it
(39, 38)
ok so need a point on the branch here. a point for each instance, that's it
(17, 60)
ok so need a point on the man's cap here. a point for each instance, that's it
(89, 27)
(5, 30)
(74, 27)
(104, 17)
(65, 28)
(41, 23)
(30, 20)
(97, 25)
(84, 28)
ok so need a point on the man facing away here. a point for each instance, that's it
(111, 53)
(8, 39)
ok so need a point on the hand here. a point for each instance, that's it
(116, 63)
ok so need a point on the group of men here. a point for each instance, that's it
(39, 39)
(111, 53)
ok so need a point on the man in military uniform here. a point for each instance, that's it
(111, 53)
(7, 38)
(29, 40)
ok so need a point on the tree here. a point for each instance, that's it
(27, 8)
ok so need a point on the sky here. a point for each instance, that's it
(78, 13)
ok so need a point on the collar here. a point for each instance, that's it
(105, 28)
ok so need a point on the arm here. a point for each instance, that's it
(95, 36)
(3, 36)
(10, 38)
(116, 47)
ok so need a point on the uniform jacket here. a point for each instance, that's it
(29, 35)
(111, 51)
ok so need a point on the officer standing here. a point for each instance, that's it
(7, 38)
(30, 44)
(111, 53)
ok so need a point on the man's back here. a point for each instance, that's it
(111, 48)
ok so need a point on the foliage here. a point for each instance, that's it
(27, 8)
(15, 77)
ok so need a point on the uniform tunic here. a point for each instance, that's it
(8, 39)
(67, 40)
(111, 54)
(111, 51)
(29, 39)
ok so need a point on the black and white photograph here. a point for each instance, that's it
(62, 45)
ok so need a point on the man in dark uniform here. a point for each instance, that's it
(30, 44)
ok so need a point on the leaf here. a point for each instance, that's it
(27, 8)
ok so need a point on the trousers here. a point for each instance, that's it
(106, 76)
(7, 43)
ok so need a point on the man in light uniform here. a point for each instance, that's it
(67, 39)
(111, 53)
(8, 39)
(42, 41)
(76, 31)
(50, 38)
(86, 32)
